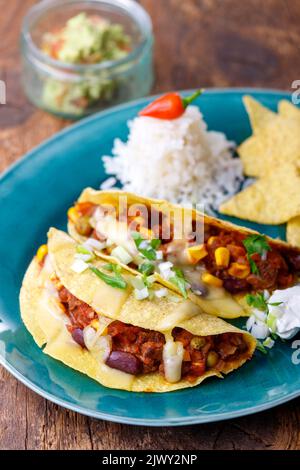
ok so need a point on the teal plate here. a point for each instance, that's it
(35, 194)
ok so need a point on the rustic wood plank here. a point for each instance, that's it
(198, 42)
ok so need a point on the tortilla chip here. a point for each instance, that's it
(275, 144)
(293, 231)
(288, 110)
(273, 200)
(37, 313)
(259, 115)
(275, 139)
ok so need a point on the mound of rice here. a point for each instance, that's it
(178, 160)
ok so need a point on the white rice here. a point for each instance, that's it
(178, 160)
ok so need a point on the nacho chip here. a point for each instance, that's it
(288, 110)
(293, 231)
(275, 140)
(259, 115)
(274, 199)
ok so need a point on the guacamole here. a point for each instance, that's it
(85, 39)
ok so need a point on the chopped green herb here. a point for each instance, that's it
(114, 281)
(137, 238)
(253, 266)
(148, 253)
(260, 347)
(257, 301)
(256, 244)
(155, 243)
(179, 281)
(146, 268)
(275, 304)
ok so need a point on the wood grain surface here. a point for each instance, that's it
(211, 43)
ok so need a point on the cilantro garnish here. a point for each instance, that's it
(255, 244)
(260, 347)
(179, 281)
(114, 281)
(148, 252)
(257, 301)
(146, 268)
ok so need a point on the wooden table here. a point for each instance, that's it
(217, 43)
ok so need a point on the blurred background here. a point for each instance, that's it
(198, 43)
(210, 43)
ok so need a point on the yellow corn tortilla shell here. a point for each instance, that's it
(273, 199)
(226, 305)
(275, 140)
(46, 321)
(293, 231)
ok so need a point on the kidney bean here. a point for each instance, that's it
(77, 335)
(234, 286)
(125, 362)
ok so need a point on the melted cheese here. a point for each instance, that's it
(172, 357)
(184, 311)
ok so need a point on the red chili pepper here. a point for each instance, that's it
(169, 106)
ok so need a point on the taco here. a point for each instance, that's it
(216, 272)
(96, 324)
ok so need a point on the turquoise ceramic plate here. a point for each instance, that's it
(35, 194)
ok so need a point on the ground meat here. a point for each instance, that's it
(147, 345)
(80, 313)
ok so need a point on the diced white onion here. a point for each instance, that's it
(259, 330)
(84, 256)
(92, 244)
(259, 314)
(99, 345)
(109, 242)
(159, 255)
(102, 347)
(172, 358)
(250, 322)
(141, 294)
(163, 292)
(89, 337)
(108, 183)
(79, 266)
(269, 343)
(137, 282)
(144, 245)
(166, 266)
(122, 255)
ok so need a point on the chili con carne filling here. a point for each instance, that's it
(146, 346)
(276, 269)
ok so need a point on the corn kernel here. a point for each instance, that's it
(41, 252)
(222, 256)
(95, 324)
(73, 214)
(211, 240)
(196, 253)
(239, 270)
(212, 280)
